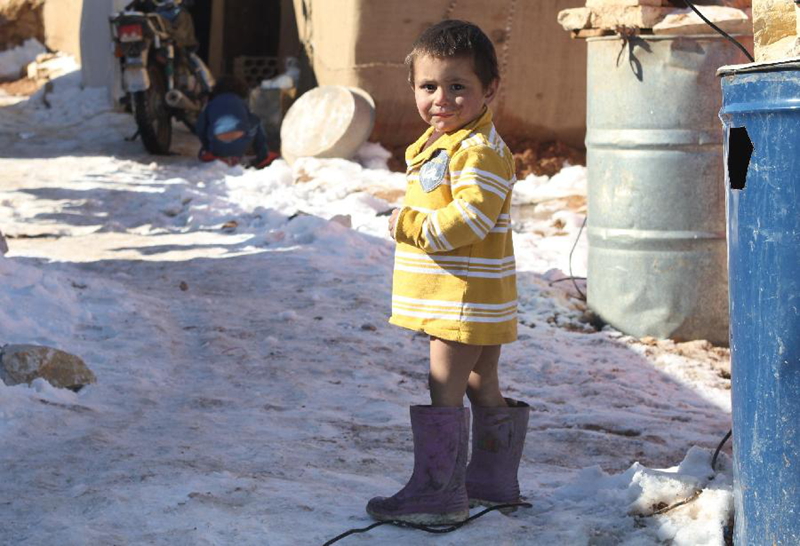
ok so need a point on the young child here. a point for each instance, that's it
(227, 129)
(455, 280)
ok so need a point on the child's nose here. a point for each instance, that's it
(441, 96)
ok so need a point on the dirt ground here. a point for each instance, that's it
(543, 158)
(22, 87)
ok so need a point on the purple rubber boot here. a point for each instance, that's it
(498, 435)
(435, 494)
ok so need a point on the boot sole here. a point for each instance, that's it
(448, 518)
(474, 503)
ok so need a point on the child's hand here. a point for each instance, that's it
(393, 221)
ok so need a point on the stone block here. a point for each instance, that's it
(738, 4)
(786, 48)
(731, 20)
(574, 18)
(628, 16)
(24, 363)
(604, 3)
(774, 28)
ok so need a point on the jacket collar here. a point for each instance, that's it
(448, 141)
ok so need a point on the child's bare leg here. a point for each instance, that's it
(451, 365)
(483, 385)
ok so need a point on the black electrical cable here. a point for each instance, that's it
(354, 531)
(427, 528)
(719, 448)
(562, 279)
(715, 27)
(571, 276)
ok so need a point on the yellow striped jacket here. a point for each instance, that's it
(454, 270)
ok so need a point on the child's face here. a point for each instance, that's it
(448, 93)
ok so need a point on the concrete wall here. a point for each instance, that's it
(62, 26)
(98, 64)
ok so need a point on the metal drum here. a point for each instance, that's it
(761, 112)
(656, 226)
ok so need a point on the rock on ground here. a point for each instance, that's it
(24, 363)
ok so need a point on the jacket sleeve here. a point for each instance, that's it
(481, 181)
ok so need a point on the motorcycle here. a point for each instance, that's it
(162, 76)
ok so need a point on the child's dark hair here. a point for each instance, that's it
(231, 84)
(454, 38)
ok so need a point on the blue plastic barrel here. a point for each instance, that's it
(761, 112)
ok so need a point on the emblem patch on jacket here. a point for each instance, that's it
(432, 173)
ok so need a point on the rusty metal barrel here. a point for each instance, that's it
(656, 220)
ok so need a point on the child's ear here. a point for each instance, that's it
(491, 91)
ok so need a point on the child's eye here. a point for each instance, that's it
(457, 87)
(429, 87)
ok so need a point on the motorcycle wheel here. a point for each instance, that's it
(153, 116)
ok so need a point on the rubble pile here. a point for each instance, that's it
(606, 17)
(25, 78)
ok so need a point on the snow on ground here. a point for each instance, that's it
(14, 60)
(250, 390)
